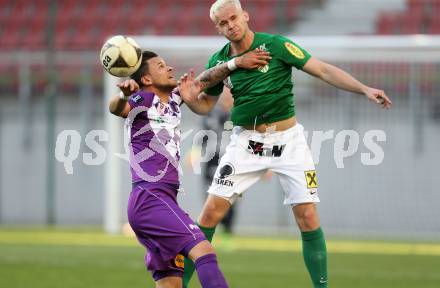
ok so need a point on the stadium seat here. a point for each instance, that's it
(420, 16)
(385, 24)
(11, 37)
(434, 26)
(34, 36)
(412, 24)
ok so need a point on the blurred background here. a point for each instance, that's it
(51, 81)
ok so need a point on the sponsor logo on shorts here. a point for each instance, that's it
(193, 227)
(179, 261)
(311, 180)
(257, 148)
(224, 182)
(224, 172)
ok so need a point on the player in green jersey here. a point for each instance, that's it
(266, 135)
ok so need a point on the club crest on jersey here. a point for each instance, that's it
(294, 50)
(265, 68)
(228, 83)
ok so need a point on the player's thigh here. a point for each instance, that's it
(238, 168)
(299, 186)
(296, 171)
(169, 282)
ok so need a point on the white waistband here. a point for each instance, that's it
(269, 136)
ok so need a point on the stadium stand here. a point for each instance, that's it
(84, 25)
(419, 17)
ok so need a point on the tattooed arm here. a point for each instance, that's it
(250, 60)
(213, 76)
(191, 88)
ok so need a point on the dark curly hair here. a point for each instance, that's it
(137, 76)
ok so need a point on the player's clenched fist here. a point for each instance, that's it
(128, 87)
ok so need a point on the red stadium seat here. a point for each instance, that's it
(434, 26)
(412, 24)
(10, 40)
(63, 40)
(419, 17)
(385, 24)
(34, 36)
(85, 38)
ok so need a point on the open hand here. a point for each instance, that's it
(189, 88)
(253, 59)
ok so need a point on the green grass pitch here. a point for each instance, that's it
(75, 259)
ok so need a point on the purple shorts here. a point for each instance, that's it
(162, 227)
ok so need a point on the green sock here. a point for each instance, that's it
(315, 256)
(189, 265)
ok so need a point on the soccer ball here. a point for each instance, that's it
(121, 56)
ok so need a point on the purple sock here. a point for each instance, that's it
(209, 273)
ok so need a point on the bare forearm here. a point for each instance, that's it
(341, 79)
(117, 105)
(213, 76)
(202, 106)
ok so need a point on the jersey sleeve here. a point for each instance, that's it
(217, 89)
(291, 53)
(141, 100)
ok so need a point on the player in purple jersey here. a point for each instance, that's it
(151, 104)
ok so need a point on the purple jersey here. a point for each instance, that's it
(154, 131)
(153, 212)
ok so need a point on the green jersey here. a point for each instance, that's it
(262, 95)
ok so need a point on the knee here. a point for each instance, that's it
(200, 250)
(208, 218)
(307, 219)
(211, 215)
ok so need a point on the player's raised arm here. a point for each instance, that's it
(250, 60)
(191, 89)
(119, 104)
(343, 80)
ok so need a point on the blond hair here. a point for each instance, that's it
(220, 4)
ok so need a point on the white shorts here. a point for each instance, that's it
(251, 154)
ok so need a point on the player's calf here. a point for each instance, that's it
(313, 242)
(169, 282)
(205, 261)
